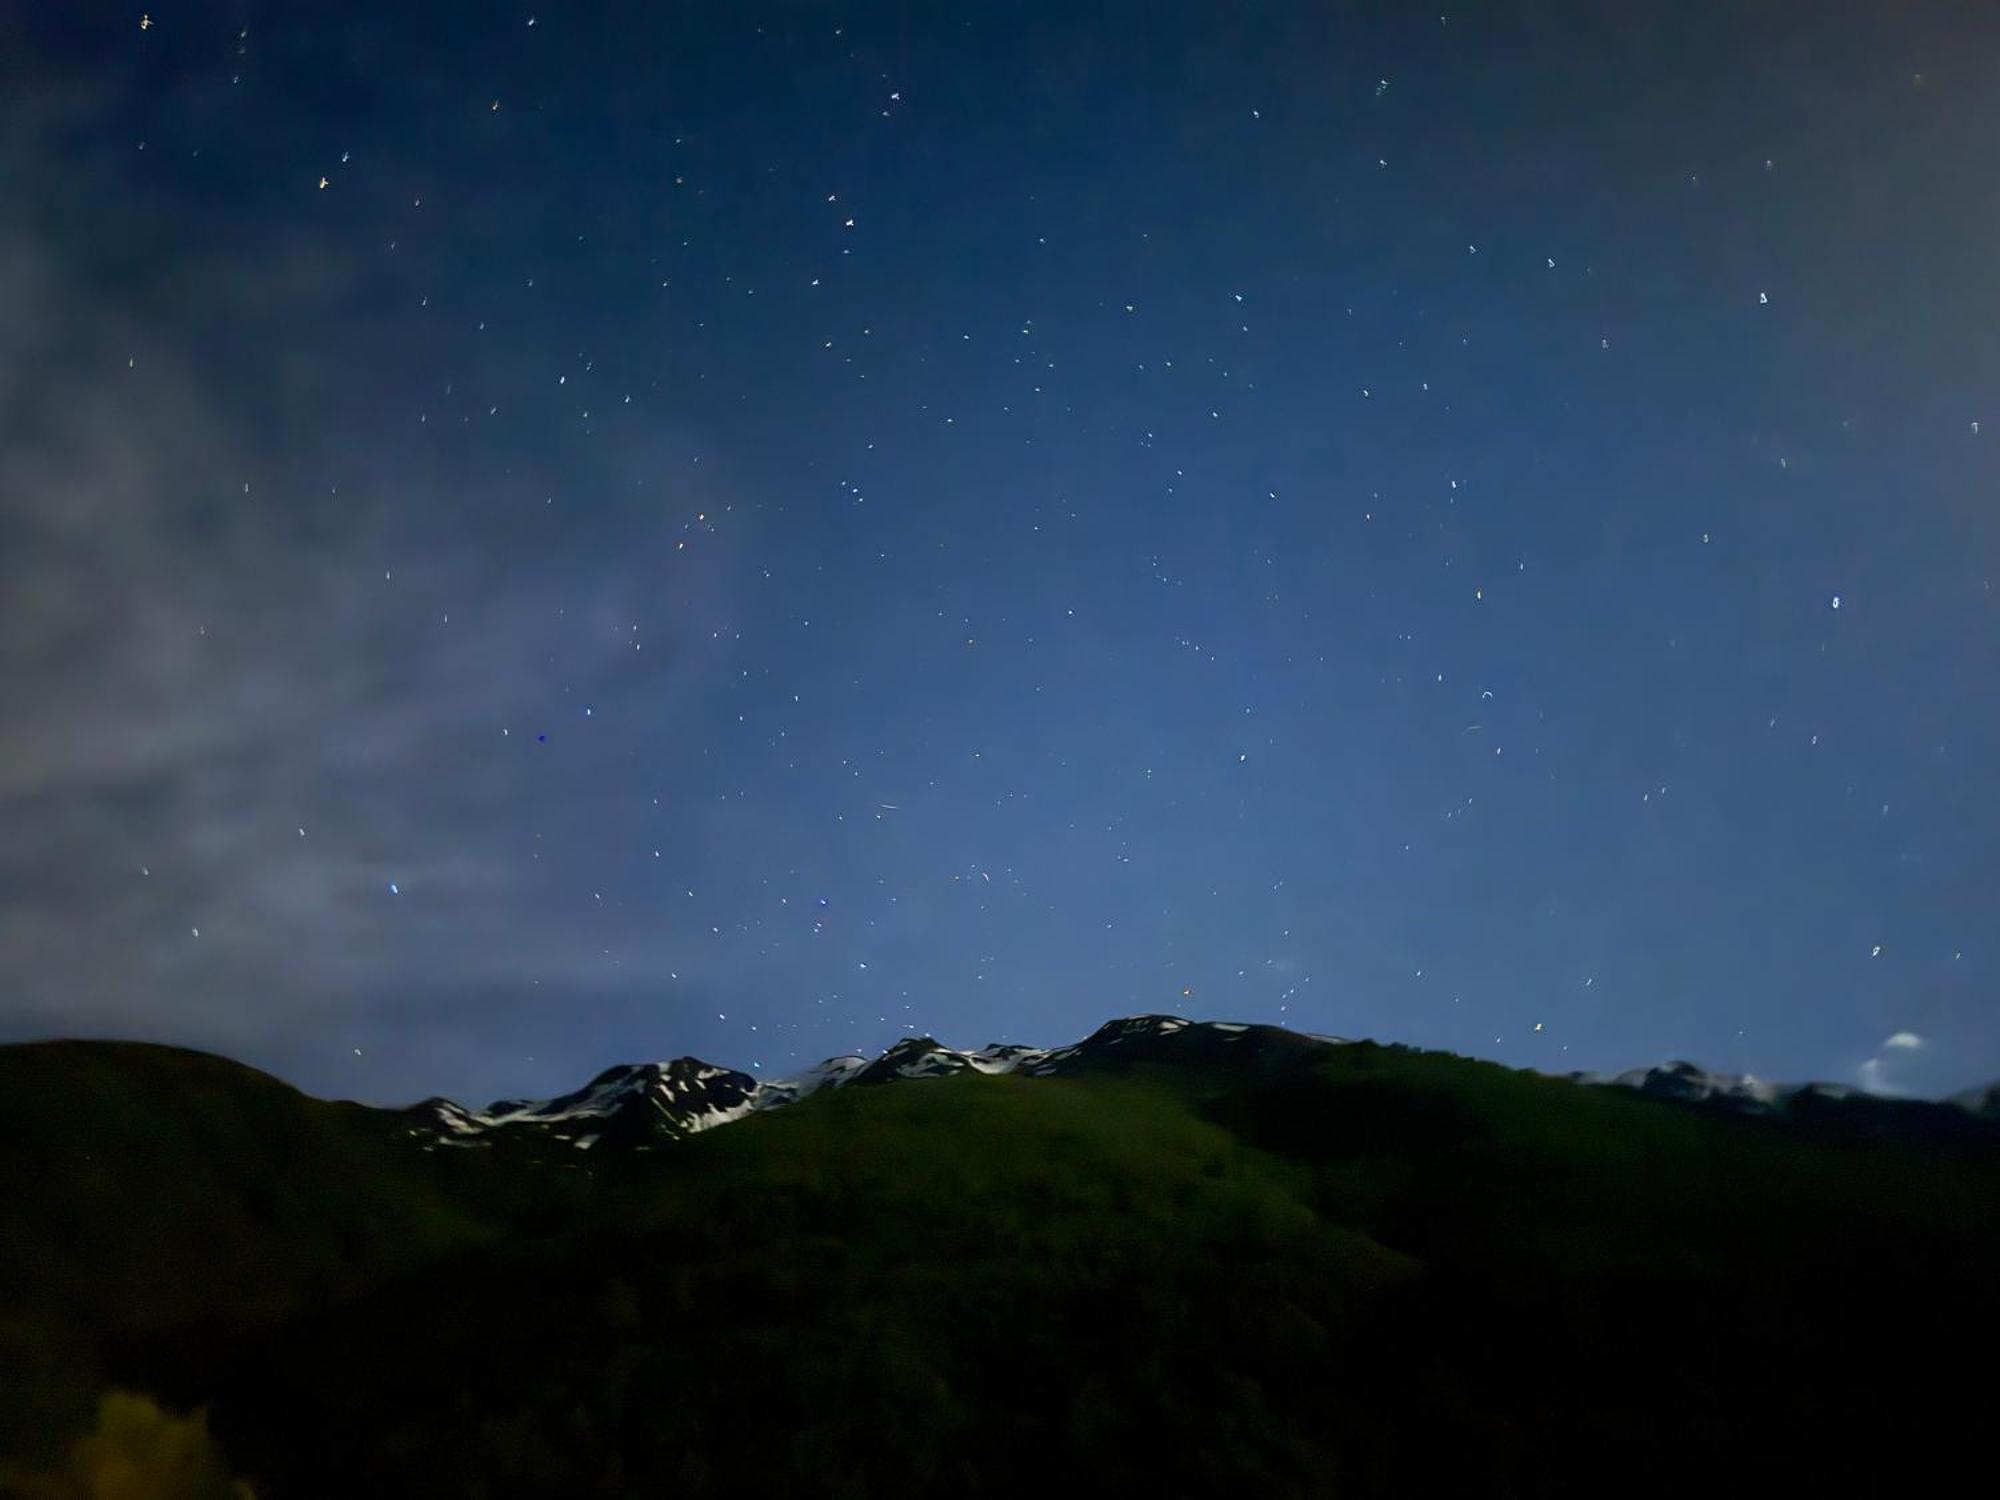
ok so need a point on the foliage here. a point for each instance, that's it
(135, 1452)
(1366, 1271)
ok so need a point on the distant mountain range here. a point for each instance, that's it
(1685, 1081)
(636, 1105)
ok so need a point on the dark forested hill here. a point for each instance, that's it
(1173, 1259)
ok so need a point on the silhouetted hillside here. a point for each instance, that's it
(1175, 1258)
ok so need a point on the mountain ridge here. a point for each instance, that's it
(640, 1102)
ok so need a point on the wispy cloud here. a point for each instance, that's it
(211, 641)
(1891, 1070)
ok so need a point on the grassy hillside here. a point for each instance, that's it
(1364, 1271)
(148, 1187)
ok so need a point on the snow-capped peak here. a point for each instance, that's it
(1683, 1080)
(687, 1095)
(638, 1103)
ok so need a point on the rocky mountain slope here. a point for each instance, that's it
(638, 1105)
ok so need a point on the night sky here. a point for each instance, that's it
(537, 535)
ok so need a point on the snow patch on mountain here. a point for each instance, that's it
(636, 1103)
(687, 1096)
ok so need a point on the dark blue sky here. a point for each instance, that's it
(537, 535)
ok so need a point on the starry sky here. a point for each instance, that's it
(541, 534)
